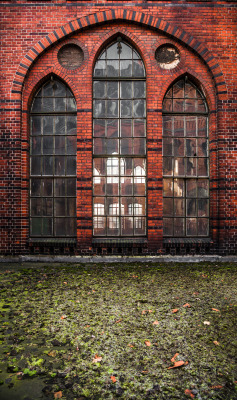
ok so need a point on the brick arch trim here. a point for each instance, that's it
(112, 15)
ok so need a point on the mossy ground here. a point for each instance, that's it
(57, 319)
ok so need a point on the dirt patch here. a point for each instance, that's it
(118, 331)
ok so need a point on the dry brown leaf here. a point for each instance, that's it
(177, 364)
(113, 379)
(144, 372)
(217, 387)
(216, 343)
(63, 317)
(58, 395)
(96, 359)
(173, 358)
(147, 343)
(175, 310)
(155, 322)
(130, 345)
(186, 305)
(119, 320)
(189, 393)
(144, 312)
(215, 309)
(65, 283)
(149, 311)
(52, 353)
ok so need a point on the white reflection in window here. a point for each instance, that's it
(99, 209)
(136, 209)
(139, 172)
(113, 168)
(96, 174)
(114, 210)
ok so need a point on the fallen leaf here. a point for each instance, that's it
(177, 364)
(145, 372)
(206, 323)
(175, 310)
(130, 345)
(52, 353)
(215, 309)
(119, 320)
(143, 312)
(65, 283)
(58, 395)
(186, 305)
(216, 343)
(63, 317)
(96, 359)
(217, 387)
(149, 311)
(113, 379)
(173, 358)
(189, 393)
(155, 323)
(147, 343)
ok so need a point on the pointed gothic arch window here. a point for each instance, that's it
(185, 162)
(119, 142)
(53, 162)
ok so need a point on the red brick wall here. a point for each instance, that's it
(33, 32)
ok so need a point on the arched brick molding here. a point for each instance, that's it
(112, 15)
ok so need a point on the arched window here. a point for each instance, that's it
(185, 162)
(53, 162)
(119, 142)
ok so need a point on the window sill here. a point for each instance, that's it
(191, 240)
(52, 241)
(119, 241)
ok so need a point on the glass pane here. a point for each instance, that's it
(48, 89)
(139, 89)
(191, 188)
(190, 105)
(60, 187)
(168, 226)
(168, 207)
(201, 106)
(47, 226)
(113, 166)
(178, 188)
(178, 105)
(179, 166)
(191, 226)
(168, 187)
(71, 124)
(139, 146)
(99, 206)
(127, 207)
(71, 226)
(126, 68)
(36, 145)
(178, 89)
(126, 185)
(139, 206)
(36, 125)
(191, 207)
(126, 90)
(99, 146)
(60, 145)
(203, 188)
(202, 147)
(139, 108)
(203, 208)
(71, 207)
(99, 89)
(112, 68)
(127, 226)
(126, 108)
(60, 206)
(99, 127)
(179, 147)
(112, 128)
(35, 165)
(36, 207)
(112, 90)
(190, 91)
(47, 206)
(36, 224)
(167, 126)
(138, 69)
(47, 187)
(60, 226)
(179, 207)
(126, 127)
(35, 187)
(59, 165)
(99, 186)
(71, 186)
(191, 149)
(112, 108)
(168, 166)
(139, 225)
(48, 145)
(60, 125)
(126, 146)
(190, 126)
(167, 105)
(203, 226)
(47, 122)
(37, 104)
(126, 52)
(113, 51)
(99, 108)
(191, 166)
(179, 226)
(60, 104)
(112, 188)
(126, 166)
(71, 166)
(71, 145)
(47, 104)
(139, 127)
(202, 167)
(178, 126)
(99, 69)
(139, 186)
(59, 89)
(99, 226)
(99, 166)
(112, 146)
(202, 126)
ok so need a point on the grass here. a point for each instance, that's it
(111, 331)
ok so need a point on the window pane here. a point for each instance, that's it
(168, 187)
(168, 207)
(99, 89)
(179, 147)
(168, 166)
(35, 187)
(36, 125)
(139, 89)
(112, 90)
(35, 166)
(168, 226)
(191, 226)
(48, 146)
(59, 165)
(138, 69)
(139, 108)
(126, 90)
(112, 68)
(60, 145)
(126, 185)
(126, 68)
(203, 226)
(126, 108)
(139, 127)
(179, 226)
(203, 208)
(179, 126)
(36, 145)
(60, 125)
(127, 226)
(179, 207)
(126, 127)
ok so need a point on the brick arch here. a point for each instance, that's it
(119, 14)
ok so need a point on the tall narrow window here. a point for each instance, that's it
(185, 162)
(53, 162)
(119, 147)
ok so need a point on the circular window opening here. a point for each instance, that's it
(167, 56)
(70, 56)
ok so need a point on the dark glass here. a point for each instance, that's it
(36, 145)
(36, 125)
(48, 146)
(47, 165)
(35, 187)
(126, 127)
(60, 104)
(47, 104)
(59, 165)
(59, 89)
(112, 69)
(60, 125)
(168, 207)
(139, 108)
(139, 89)
(126, 90)
(126, 68)
(99, 127)
(178, 126)
(71, 142)
(35, 166)
(71, 166)
(47, 187)
(60, 145)
(112, 90)
(99, 89)
(48, 125)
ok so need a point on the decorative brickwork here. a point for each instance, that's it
(202, 33)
